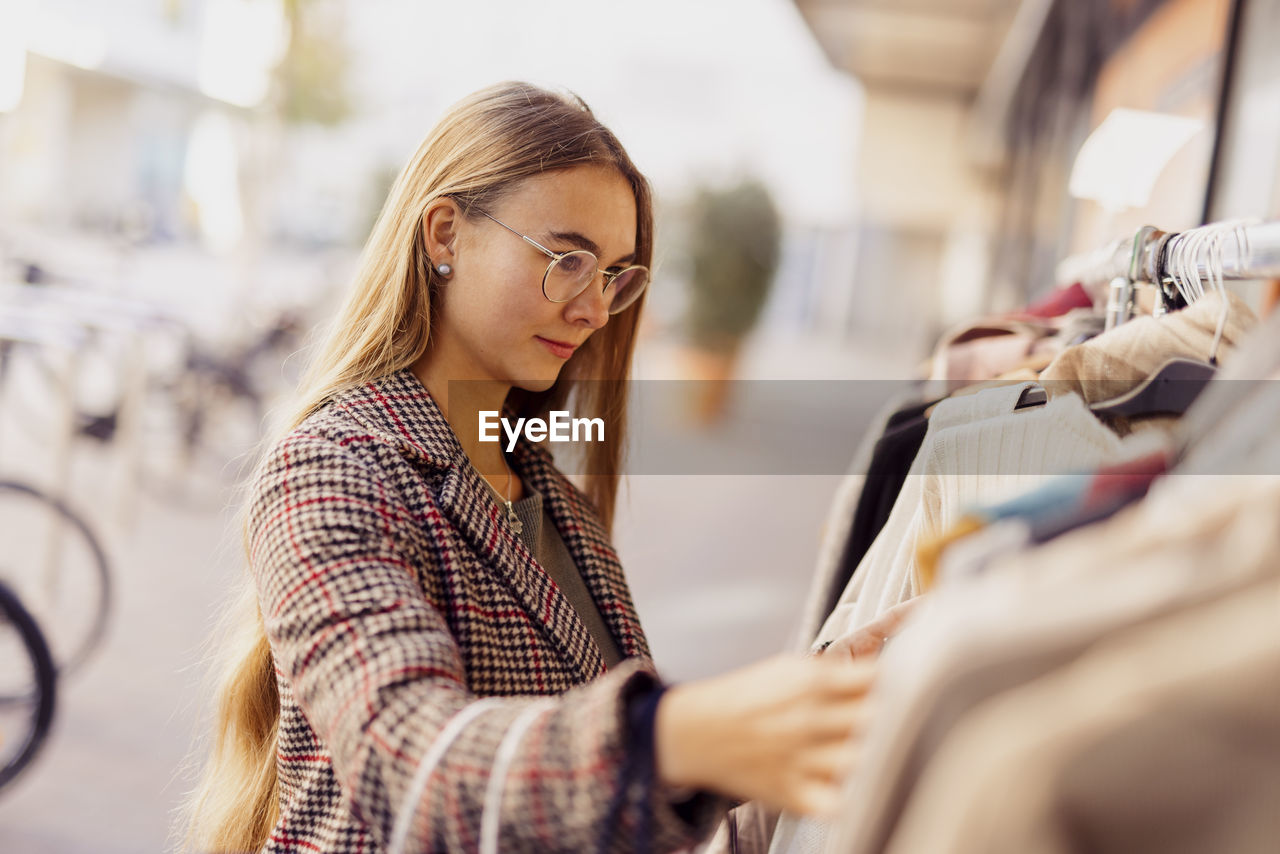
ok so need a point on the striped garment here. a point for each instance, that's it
(395, 595)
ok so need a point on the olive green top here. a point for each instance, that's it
(541, 538)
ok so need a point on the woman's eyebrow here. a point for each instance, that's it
(583, 242)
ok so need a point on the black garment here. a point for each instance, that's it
(891, 459)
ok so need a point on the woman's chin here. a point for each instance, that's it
(538, 374)
(535, 385)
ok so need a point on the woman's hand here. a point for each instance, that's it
(867, 641)
(783, 731)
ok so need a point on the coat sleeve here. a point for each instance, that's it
(374, 668)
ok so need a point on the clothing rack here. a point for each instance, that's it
(1247, 252)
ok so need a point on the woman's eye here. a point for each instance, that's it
(572, 263)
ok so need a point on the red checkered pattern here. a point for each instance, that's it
(394, 595)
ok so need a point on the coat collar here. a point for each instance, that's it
(399, 409)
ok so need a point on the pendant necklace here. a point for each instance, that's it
(512, 518)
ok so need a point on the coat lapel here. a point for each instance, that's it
(401, 409)
(587, 541)
(464, 499)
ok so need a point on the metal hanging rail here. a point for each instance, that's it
(1245, 252)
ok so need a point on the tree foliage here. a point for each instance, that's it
(734, 245)
(311, 79)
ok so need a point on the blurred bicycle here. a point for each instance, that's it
(28, 687)
(203, 421)
(186, 416)
(54, 562)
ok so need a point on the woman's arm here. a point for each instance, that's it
(375, 669)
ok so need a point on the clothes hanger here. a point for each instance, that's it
(1124, 287)
(1177, 382)
(1169, 296)
(1170, 390)
(1119, 308)
(1244, 386)
(1032, 396)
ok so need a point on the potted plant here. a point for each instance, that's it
(734, 240)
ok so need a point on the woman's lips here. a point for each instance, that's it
(558, 348)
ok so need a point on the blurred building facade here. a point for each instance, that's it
(925, 215)
(142, 152)
(973, 178)
(132, 116)
(162, 123)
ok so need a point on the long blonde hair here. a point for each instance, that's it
(482, 148)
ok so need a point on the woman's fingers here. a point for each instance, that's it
(831, 736)
(833, 763)
(837, 721)
(838, 677)
(891, 621)
(820, 789)
(868, 640)
(858, 645)
(815, 798)
(785, 730)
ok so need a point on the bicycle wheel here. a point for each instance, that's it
(54, 563)
(28, 687)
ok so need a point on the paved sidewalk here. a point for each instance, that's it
(111, 770)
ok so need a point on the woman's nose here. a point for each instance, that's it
(592, 304)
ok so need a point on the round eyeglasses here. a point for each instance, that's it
(569, 274)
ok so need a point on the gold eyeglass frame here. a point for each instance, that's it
(555, 259)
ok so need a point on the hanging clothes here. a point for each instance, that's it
(982, 350)
(1059, 302)
(1062, 504)
(1155, 740)
(978, 448)
(1034, 612)
(1056, 598)
(841, 524)
(1118, 360)
(865, 498)
(871, 580)
(1231, 429)
(886, 469)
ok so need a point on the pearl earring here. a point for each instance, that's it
(444, 269)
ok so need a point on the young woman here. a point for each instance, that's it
(441, 651)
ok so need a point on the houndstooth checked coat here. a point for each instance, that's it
(395, 595)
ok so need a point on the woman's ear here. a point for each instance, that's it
(439, 230)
